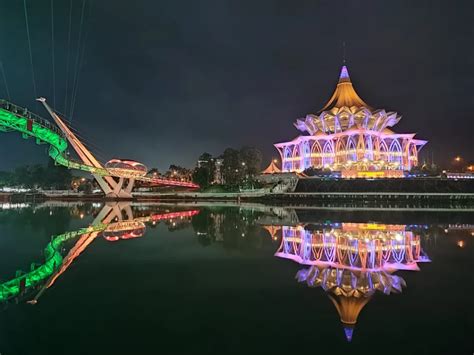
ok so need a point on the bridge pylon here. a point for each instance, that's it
(108, 184)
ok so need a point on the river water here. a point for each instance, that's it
(234, 279)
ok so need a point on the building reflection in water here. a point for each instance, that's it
(351, 261)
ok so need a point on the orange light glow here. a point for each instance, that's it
(354, 174)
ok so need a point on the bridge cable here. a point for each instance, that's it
(76, 66)
(68, 56)
(5, 80)
(29, 47)
(52, 54)
(81, 63)
(98, 151)
(81, 60)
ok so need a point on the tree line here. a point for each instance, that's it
(47, 176)
(234, 167)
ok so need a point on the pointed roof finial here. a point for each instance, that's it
(344, 76)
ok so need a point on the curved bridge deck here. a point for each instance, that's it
(15, 118)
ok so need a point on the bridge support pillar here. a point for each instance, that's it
(103, 184)
(129, 187)
(117, 191)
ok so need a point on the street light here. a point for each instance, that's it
(458, 159)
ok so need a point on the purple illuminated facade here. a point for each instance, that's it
(347, 134)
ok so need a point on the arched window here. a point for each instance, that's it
(383, 150)
(395, 153)
(351, 149)
(360, 147)
(369, 151)
(340, 151)
(296, 158)
(287, 163)
(306, 155)
(328, 153)
(412, 156)
(316, 155)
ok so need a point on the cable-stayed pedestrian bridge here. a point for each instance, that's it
(111, 177)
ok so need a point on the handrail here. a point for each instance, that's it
(23, 112)
(17, 118)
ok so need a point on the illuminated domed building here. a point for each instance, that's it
(349, 136)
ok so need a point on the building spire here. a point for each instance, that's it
(344, 76)
(344, 95)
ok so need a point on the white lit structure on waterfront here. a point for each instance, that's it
(348, 135)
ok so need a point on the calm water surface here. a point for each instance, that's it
(219, 279)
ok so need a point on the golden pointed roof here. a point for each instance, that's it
(344, 95)
(271, 169)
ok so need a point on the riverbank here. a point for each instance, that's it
(287, 197)
(306, 191)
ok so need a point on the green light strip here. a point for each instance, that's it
(11, 120)
(53, 261)
(58, 145)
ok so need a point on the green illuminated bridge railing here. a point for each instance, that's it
(14, 118)
(53, 260)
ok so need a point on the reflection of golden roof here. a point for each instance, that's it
(349, 307)
(344, 95)
(273, 230)
(349, 290)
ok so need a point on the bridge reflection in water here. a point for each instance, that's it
(114, 222)
(351, 261)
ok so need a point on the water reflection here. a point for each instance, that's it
(114, 222)
(351, 261)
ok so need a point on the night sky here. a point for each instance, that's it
(164, 81)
